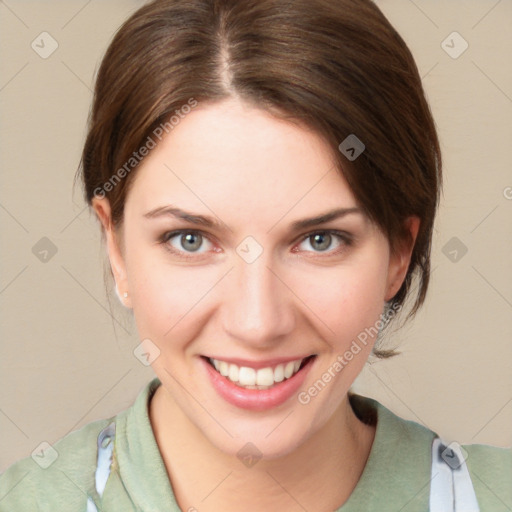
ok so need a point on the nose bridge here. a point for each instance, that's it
(257, 309)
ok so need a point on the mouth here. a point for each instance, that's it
(261, 378)
(257, 385)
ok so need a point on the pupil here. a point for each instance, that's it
(189, 237)
(320, 236)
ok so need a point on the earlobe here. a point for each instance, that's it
(401, 258)
(122, 299)
(102, 209)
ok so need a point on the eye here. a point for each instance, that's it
(321, 241)
(184, 243)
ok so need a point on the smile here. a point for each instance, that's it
(257, 386)
(252, 378)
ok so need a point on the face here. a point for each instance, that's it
(244, 282)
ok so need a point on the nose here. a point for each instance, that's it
(257, 309)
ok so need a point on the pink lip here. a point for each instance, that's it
(254, 399)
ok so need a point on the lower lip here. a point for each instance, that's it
(256, 399)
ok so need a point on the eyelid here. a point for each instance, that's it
(331, 231)
(168, 235)
(346, 238)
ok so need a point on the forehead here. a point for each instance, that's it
(230, 154)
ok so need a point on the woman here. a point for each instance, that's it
(291, 145)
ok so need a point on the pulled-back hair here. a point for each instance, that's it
(335, 66)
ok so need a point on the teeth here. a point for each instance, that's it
(247, 376)
(288, 370)
(224, 368)
(279, 373)
(250, 378)
(234, 373)
(265, 377)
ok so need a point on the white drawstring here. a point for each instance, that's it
(105, 450)
(451, 489)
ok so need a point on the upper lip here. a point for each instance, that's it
(250, 363)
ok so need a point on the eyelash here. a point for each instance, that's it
(344, 237)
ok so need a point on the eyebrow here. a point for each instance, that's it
(211, 222)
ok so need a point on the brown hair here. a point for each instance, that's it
(335, 66)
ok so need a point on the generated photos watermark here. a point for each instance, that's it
(304, 397)
(137, 156)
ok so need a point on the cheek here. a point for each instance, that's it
(348, 302)
(346, 299)
(160, 294)
(165, 298)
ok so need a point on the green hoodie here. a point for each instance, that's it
(396, 476)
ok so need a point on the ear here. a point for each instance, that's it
(102, 209)
(399, 260)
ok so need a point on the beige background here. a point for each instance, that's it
(66, 362)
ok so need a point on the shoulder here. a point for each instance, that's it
(401, 460)
(490, 468)
(398, 466)
(56, 475)
(62, 476)
(487, 457)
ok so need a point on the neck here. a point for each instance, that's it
(319, 475)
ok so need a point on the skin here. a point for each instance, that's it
(295, 299)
